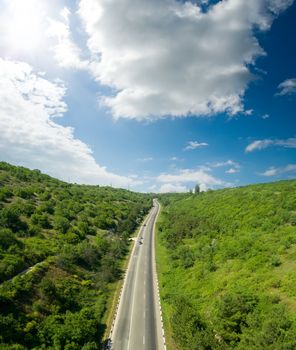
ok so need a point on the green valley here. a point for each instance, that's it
(226, 261)
(61, 251)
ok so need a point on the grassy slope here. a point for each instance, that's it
(227, 264)
(76, 237)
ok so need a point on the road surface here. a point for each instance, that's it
(137, 325)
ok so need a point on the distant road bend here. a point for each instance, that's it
(137, 324)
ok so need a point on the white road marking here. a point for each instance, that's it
(140, 254)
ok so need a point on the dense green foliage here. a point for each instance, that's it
(227, 263)
(61, 247)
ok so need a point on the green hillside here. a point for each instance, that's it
(227, 264)
(61, 248)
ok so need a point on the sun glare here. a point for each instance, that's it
(26, 23)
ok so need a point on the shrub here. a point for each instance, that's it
(7, 239)
(10, 218)
(5, 193)
(61, 224)
(41, 220)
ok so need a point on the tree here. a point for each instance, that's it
(10, 218)
(5, 193)
(197, 189)
(41, 220)
(61, 224)
(7, 239)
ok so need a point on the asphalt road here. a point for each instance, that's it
(137, 325)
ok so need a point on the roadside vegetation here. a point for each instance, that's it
(61, 248)
(227, 268)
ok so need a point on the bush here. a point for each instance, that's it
(10, 266)
(41, 220)
(61, 224)
(9, 328)
(10, 218)
(7, 239)
(25, 193)
(46, 207)
(273, 332)
(71, 331)
(5, 193)
(233, 310)
(190, 330)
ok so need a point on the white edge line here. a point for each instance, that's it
(156, 281)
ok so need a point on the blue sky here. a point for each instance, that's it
(154, 95)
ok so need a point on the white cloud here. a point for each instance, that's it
(66, 52)
(249, 112)
(232, 171)
(222, 164)
(30, 136)
(273, 171)
(168, 57)
(145, 159)
(234, 166)
(290, 167)
(203, 188)
(258, 145)
(265, 116)
(261, 144)
(277, 6)
(287, 87)
(200, 176)
(165, 188)
(194, 144)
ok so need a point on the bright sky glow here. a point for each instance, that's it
(24, 23)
